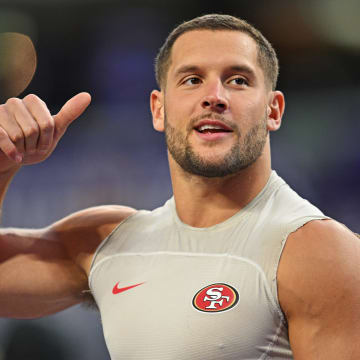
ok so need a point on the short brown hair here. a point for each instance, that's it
(266, 54)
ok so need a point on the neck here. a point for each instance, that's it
(203, 202)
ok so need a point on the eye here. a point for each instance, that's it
(191, 81)
(238, 81)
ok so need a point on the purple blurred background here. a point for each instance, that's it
(112, 154)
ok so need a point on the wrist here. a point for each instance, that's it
(10, 172)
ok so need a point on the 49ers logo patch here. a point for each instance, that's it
(215, 298)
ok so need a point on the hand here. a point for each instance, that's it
(29, 133)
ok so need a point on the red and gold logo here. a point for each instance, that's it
(215, 298)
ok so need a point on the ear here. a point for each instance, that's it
(275, 110)
(157, 109)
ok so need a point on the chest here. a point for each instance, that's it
(176, 305)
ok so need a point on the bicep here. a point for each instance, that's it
(332, 334)
(319, 291)
(36, 275)
(82, 232)
(45, 271)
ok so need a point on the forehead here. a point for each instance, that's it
(215, 48)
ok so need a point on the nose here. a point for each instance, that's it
(215, 99)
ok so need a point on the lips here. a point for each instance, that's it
(211, 126)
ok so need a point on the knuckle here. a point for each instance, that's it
(13, 102)
(31, 130)
(47, 126)
(17, 137)
(3, 110)
(3, 133)
(31, 98)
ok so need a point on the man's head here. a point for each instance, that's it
(216, 105)
(266, 54)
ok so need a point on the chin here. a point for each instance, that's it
(213, 156)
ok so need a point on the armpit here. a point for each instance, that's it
(89, 300)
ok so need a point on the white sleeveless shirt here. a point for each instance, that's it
(169, 291)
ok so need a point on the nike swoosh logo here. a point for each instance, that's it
(117, 290)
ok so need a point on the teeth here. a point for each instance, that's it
(206, 127)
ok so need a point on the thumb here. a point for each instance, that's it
(72, 109)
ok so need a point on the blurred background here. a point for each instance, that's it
(111, 155)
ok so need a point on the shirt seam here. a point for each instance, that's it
(271, 345)
(105, 241)
(177, 253)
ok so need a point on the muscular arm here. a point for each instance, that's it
(319, 291)
(45, 271)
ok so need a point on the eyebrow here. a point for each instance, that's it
(243, 69)
(185, 69)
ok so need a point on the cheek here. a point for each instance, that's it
(250, 109)
(254, 101)
(179, 108)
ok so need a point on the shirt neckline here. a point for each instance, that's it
(274, 180)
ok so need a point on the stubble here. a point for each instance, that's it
(241, 155)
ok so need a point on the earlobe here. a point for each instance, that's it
(275, 110)
(157, 110)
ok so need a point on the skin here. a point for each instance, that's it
(44, 271)
(318, 275)
(203, 201)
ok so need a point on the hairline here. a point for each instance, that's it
(268, 81)
(265, 54)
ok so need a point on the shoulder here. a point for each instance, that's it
(321, 253)
(105, 215)
(286, 206)
(319, 276)
(83, 231)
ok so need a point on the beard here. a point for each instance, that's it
(241, 155)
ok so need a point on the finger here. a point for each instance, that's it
(26, 122)
(12, 129)
(8, 147)
(39, 111)
(70, 111)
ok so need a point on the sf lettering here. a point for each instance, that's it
(214, 296)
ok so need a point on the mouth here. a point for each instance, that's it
(212, 127)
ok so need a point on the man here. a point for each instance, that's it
(235, 266)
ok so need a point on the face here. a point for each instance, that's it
(216, 105)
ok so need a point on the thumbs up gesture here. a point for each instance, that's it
(29, 133)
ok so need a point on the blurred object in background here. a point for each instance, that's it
(317, 41)
(337, 21)
(18, 57)
(17, 64)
